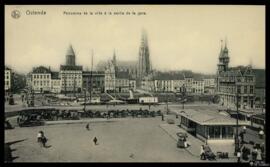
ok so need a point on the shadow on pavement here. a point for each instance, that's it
(48, 146)
(8, 151)
(13, 142)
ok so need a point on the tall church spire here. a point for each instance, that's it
(114, 58)
(221, 48)
(144, 60)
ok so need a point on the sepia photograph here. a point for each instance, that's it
(135, 83)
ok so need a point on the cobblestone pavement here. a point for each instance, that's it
(126, 140)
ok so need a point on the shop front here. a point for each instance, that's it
(210, 128)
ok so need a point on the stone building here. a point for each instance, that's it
(234, 81)
(259, 88)
(93, 81)
(41, 79)
(71, 74)
(8, 74)
(198, 86)
(55, 82)
(209, 86)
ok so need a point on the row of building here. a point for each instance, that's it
(72, 78)
(231, 83)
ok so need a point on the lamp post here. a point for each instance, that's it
(183, 91)
(84, 107)
(236, 137)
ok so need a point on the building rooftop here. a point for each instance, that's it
(168, 76)
(204, 118)
(93, 72)
(71, 68)
(41, 69)
(237, 71)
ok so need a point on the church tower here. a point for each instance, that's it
(144, 60)
(70, 57)
(224, 58)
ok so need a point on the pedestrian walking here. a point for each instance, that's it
(244, 129)
(254, 154)
(162, 117)
(39, 135)
(42, 139)
(259, 156)
(95, 141)
(202, 153)
(261, 133)
(242, 137)
(238, 156)
(87, 127)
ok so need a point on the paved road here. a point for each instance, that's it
(129, 140)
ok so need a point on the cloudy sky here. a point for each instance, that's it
(180, 37)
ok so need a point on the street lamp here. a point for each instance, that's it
(183, 91)
(237, 124)
(84, 107)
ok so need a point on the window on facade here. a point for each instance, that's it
(245, 89)
(238, 89)
(251, 89)
(214, 132)
(227, 132)
(245, 100)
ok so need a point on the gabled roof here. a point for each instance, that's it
(203, 118)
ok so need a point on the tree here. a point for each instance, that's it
(18, 82)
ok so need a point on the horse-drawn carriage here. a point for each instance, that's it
(30, 119)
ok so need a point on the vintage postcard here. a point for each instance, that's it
(135, 83)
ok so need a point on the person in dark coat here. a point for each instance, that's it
(87, 127)
(95, 141)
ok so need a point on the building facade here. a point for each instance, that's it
(8, 74)
(71, 78)
(71, 74)
(259, 88)
(93, 81)
(41, 79)
(109, 84)
(209, 86)
(55, 82)
(234, 82)
(198, 86)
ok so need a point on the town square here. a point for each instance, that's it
(135, 88)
